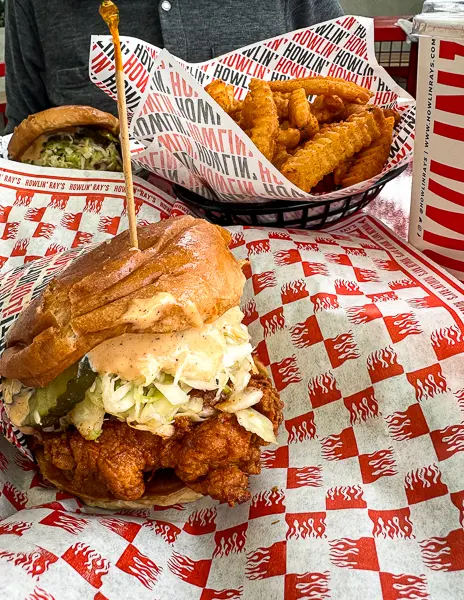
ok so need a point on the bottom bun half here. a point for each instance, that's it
(164, 490)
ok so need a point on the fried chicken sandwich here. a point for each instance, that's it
(133, 372)
(68, 137)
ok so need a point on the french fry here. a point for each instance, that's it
(328, 108)
(223, 94)
(324, 86)
(281, 102)
(264, 119)
(289, 137)
(299, 112)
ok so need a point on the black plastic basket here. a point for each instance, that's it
(284, 213)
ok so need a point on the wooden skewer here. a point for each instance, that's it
(110, 14)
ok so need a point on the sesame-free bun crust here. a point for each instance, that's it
(54, 120)
(89, 302)
(164, 490)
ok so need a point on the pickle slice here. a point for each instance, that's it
(58, 398)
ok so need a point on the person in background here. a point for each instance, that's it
(47, 43)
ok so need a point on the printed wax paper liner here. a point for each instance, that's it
(191, 141)
(364, 339)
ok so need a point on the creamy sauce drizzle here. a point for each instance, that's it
(143, 312)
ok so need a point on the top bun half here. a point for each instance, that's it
(183, 261)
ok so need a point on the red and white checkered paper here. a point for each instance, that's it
(191, 141)
(365, 492)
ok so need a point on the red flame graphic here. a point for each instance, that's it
(230, 541)
(238, 239)
(23, 197)
(425, 302)
(35, 563)
(427, 382)
(362, 406)
(293, 291)
(201, 522)
(391, 523)
(4, 213)
(341, 348)
(267, 562)
(54, 249)
(71, 221)
(382, 297)
(354, 554)
(138, 203)
(354, 251)
(424, 484)
(14, 496)
(376, 465)
(59, 201)
(285, 373)
(339, 447)
(10, 231)
(275, 459)
(93, 203)
(81, 239)
(323, 390)
(315, 268)
(279, 235)
(64, 521)
(402, 325)
(258, 247)
(3, 462)
(246, 270)
(345, 496)
(287, 257)
(24, 463)
(194, 572)
(387, 265)
(448, 441)
(109, 225)
(40, 594)
(87, 562)
(250, 313)
(273, 321)
(264, 280)
(447, 342)
(209, 594)
(267, 502)
(304, 477)
(133, 562)
(401, 284)
(44, 230)
(168, 531)
(444, 553)
(329, 240)
(35, 214)
(403, 586)
(307, 333)
(339, 259)
(307, 246)
(345, 287)
(16, 528)
(262, 353)
(370, 246)
(457, 498)
(301, 428)
(323, 301)
(308, 586)
(305, 525)
(126, 529)
(408, 424)
(365, 275)
(363, 314)
(459, 397)
(383, 364)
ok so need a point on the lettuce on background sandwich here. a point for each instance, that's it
(134, 373)
(71, 137)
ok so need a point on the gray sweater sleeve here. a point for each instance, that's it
(25, 89)
(304, 13)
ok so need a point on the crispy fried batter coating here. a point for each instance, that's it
(299, 112)
(331, 146)
(289, 137)
(264, 119)
(328, 109)
(371, 161)
(280, 157)
(281, 102)
(213, 457)
(223, 94)
(324, 86)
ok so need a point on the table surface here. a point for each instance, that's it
(392, 205)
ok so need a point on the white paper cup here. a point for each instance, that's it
(437, 206)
